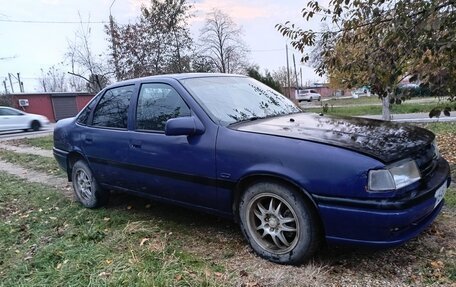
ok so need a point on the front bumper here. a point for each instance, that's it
(385, 222)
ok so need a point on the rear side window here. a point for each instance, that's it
(112, 109)
(157, 103)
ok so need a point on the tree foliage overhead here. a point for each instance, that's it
(159, 42)
(221, 44)
(380, 43)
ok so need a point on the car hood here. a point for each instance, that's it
(385, 141)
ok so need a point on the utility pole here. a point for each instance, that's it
(11, 83)
(288, 73)
(21, 85)
(114, 44)
(4, 85)
(296, 74)
(300, 70)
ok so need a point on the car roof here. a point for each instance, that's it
(181, 76)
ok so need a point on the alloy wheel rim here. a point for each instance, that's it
(273, 223)
(84, 184)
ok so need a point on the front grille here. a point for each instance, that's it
(426, 160)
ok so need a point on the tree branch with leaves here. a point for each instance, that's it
(379, 43)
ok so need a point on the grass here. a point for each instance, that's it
(352, 101)
(33, 162)
(45, 142)
(377, 110)
(442, 128)
(48, 240)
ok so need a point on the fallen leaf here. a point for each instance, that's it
(178, 277)
(129, 207)
(218, 274)
(207, 272)
(437, 264)
(104, 274)
(144, 240)
(106, 219)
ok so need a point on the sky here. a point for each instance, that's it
(27, 47)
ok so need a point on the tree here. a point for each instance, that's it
(53, 80)
(267, 79)
(84, 64)
(202, 64)
(281, 76)
(220, 42)
(380, 43)
(158, 43)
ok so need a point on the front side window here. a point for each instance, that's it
(157, 103)
(112, 109)
(83, 117)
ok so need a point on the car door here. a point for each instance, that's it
(105, 140)
(179, 168)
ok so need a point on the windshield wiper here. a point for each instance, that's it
(251, 119)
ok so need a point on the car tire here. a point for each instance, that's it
(86, 189)
(279, 224)
(35, 126)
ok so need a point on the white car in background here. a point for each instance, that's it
(307, 95)
(361, 92)
(12, 119)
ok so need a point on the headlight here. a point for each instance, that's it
(395, 176)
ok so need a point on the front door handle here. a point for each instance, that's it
(88, 140)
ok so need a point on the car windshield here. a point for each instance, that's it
(231, 99)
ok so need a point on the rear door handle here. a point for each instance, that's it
(135, 143)
(88, 140)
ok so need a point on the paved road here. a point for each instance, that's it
(11, 135)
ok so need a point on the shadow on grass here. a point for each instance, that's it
(193, 226)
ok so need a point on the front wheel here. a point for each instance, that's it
(278, 223)
(86, 188)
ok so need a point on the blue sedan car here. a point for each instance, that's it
(231, 146)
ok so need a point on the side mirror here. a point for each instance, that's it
(184, 126)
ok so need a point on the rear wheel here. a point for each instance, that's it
(278, 223)
(35, 126)
(86, 188)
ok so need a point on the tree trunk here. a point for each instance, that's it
(386, 113)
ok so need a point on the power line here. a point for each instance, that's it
(52, 22)
(268, 50)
